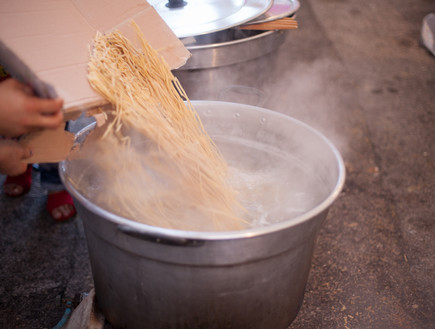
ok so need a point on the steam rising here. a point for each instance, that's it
(272, 184)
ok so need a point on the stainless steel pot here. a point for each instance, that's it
(228, 46)
(150, 277)
(243, 82)
(231, 46)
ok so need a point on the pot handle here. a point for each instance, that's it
(167, 240)
(176, 4)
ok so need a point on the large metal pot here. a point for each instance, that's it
(243, 82)
(230, 47)
(150, 277)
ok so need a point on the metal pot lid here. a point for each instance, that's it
(279, 9)
(195, 17)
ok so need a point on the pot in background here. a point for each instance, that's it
(242, 82)
(231, 46)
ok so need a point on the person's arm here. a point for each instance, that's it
(21, 112)
(12, 155)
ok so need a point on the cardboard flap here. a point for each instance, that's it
(48, 145)
(52, 37)
(49, 42)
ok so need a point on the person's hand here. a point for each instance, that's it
(21, 112)
(12, 155)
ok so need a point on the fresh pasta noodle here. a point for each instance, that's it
(170, 172)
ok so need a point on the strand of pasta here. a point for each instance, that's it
(180, 167)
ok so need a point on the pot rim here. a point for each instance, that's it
(234, 42)
(228, 235)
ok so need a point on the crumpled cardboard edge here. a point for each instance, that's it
(48, 145)
(86, 315)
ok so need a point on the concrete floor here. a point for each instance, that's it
(356, 71)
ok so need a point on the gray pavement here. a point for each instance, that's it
(357, 72)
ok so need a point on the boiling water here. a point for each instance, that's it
(273, 186)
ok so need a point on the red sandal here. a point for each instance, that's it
(15, 186)
(55, 200)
